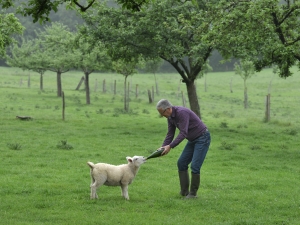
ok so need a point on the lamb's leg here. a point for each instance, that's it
(124, 188)
(94, 187)
(92, 178)
(98, 181)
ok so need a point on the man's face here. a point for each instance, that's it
(165, 112)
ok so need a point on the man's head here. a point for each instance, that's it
(164, 107)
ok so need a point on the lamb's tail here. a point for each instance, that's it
(90, 164)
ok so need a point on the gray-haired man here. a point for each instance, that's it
(195, 131)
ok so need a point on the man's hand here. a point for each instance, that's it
(167, 150)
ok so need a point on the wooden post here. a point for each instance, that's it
(149, 96)
(28, 82)
(104, 86)
(63, 106)
(136, 91)
(267, 114)
(79, 84)
(21, 82)
(115, 87)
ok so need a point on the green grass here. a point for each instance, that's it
(251, 174)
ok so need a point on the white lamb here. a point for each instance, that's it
(110, 175)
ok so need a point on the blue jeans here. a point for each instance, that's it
(194, 152)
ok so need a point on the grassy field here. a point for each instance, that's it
(251, 174)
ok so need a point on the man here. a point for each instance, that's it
(198, 138)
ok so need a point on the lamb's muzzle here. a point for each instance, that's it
(111, 175)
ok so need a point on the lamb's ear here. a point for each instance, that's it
(129, 159)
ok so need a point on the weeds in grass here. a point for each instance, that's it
(14, 146)
(145, 111)
(63, 144)
(226, 146)
(99, 111)
(228, 114)
(216, 115)
(283, 147)
(87, 114)
(255, 147)
(224, 125)
(119, 111)
(292, 132)
(242, 126)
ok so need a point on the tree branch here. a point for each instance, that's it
(82, 8)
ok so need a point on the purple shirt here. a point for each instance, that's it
(188, 123)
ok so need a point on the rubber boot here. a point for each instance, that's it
(184, 182)
(195, 183)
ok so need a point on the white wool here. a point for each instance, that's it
(111, 175)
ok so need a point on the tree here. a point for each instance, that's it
(267, 31)
(246, 70)
(40, 10)
(9, 26)
(153, 66)
(125, 68)
(28, 55)
(166, 29)
(90, 58)
(206, 68)
(58, 41)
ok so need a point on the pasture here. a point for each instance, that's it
(251, 174)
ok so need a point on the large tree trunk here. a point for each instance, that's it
(87, 88)
(193, 99)
(59, 87)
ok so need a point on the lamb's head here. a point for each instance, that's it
(137, 161)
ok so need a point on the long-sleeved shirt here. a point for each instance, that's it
(188, 123)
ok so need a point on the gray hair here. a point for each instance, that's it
(163, 104)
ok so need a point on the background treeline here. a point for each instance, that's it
(71, 19)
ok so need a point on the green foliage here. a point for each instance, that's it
(165, 29)
(10, 27)
(245, 69)
(41, 12)
(264, 30)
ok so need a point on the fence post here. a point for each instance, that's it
(28, 82)
(149, 96)
(136, 91)
(80, 82)
(104, 86)
(63, 105)
(183, 100)
(267, 114)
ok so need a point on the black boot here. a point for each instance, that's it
(184, 182)
(195, 183)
